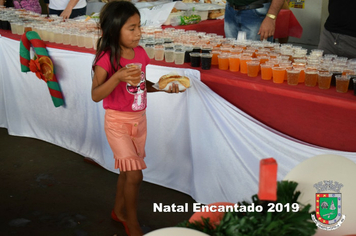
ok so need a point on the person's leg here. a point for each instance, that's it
(131, 189)
(119, 206)
(231, 23)
(346, 46)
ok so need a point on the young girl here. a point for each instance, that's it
(123, 91)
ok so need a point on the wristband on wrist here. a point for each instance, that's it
(273, 17)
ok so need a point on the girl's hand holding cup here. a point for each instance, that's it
(131, 73)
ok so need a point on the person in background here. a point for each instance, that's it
(29, 5)
(339, 34)
(6, 3)
(124, 94)
(256, 18)
(285, 6)
(67, 8)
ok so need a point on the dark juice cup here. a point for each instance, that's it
(197, 49)
(206, 50)
(195, 59)
(206, 61)
(351, 83)
(187, 55)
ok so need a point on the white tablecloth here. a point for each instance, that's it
(197, 143)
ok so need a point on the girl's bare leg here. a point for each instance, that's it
(131, 190)
(119, 206)
(126, 200)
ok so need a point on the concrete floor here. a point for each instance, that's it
(50, 191)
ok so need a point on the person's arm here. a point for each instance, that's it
(172, 89)
(101, 88)
(68, 10)
(2, 2)
(268, 24)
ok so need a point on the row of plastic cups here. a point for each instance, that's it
(312, 77)
(159, 53)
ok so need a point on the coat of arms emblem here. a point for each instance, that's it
(328, 207)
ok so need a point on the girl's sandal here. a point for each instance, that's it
(114, 217)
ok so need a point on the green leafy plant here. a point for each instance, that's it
(282, 221)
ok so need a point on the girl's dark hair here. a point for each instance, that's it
(113, 16)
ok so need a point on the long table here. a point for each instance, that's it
(204, 143)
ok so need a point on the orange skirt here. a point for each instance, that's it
(126, 133)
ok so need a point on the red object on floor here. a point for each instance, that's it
(268, 180)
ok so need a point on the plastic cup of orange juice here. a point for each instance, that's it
(234, 62)
(253, 67)
(278, 74)
(266, 71)
(223, 60)
(214, 59)
(235, 50)
(243, 65)
(263, 59)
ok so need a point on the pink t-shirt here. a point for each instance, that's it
(29, 5)
(126, 97)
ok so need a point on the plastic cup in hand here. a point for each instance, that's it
(135, 65)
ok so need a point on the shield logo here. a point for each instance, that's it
(328, 207)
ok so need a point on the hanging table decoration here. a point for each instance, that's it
(41, 64)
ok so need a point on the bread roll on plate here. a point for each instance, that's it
(166, 80)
